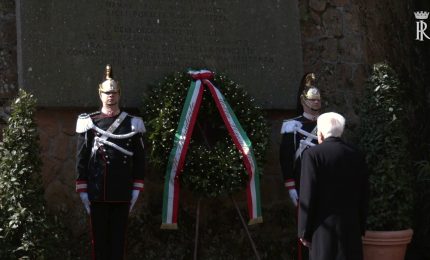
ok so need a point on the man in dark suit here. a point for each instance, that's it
(333, 195)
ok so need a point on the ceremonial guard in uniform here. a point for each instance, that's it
(110, 166)
(298, 134)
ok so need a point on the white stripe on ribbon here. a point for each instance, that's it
(179, 151)
(138, 185)
(243, 147)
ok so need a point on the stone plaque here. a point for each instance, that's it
(64, 45)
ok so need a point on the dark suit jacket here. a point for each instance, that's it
(333, 200)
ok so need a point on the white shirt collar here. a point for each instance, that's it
(310, 117)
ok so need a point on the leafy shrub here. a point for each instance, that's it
(384, 139)
(26, 232)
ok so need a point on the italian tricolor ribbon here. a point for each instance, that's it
(182, 139)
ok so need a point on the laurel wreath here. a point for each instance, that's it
(213, 165)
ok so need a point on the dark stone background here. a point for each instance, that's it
(64, 45)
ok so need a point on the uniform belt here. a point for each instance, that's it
(109, 134)
(113, 145)
(305, 143)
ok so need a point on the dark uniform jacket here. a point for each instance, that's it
(333, 200)
(104, 171)
(290, 166)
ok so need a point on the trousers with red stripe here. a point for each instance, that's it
(108, 228)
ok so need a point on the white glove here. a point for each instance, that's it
(134, 196)
(306, 243)
(85, 200)
(294, 197)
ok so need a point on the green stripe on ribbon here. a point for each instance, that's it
(177, 150)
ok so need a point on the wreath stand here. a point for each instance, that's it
(245, 227)
(242, 220)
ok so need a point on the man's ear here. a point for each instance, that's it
(320, 137)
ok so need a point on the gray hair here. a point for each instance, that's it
(331, 124)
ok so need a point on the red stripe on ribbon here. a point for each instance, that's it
(202, 75)
(184, 153)
(237, 143)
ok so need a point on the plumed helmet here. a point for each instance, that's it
(109, 84)
(309, 89)
(309, 92)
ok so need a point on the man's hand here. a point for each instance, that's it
(134, 196)
(85, 201)
(305, 242)
(294, 196)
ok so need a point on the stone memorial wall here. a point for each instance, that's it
(8, 87)
(63, 46)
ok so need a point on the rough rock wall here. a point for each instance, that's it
(8, 71)
(343, 38)
(58, 151)
(334, 48)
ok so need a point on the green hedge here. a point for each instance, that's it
(26, 231)
(384, 139)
